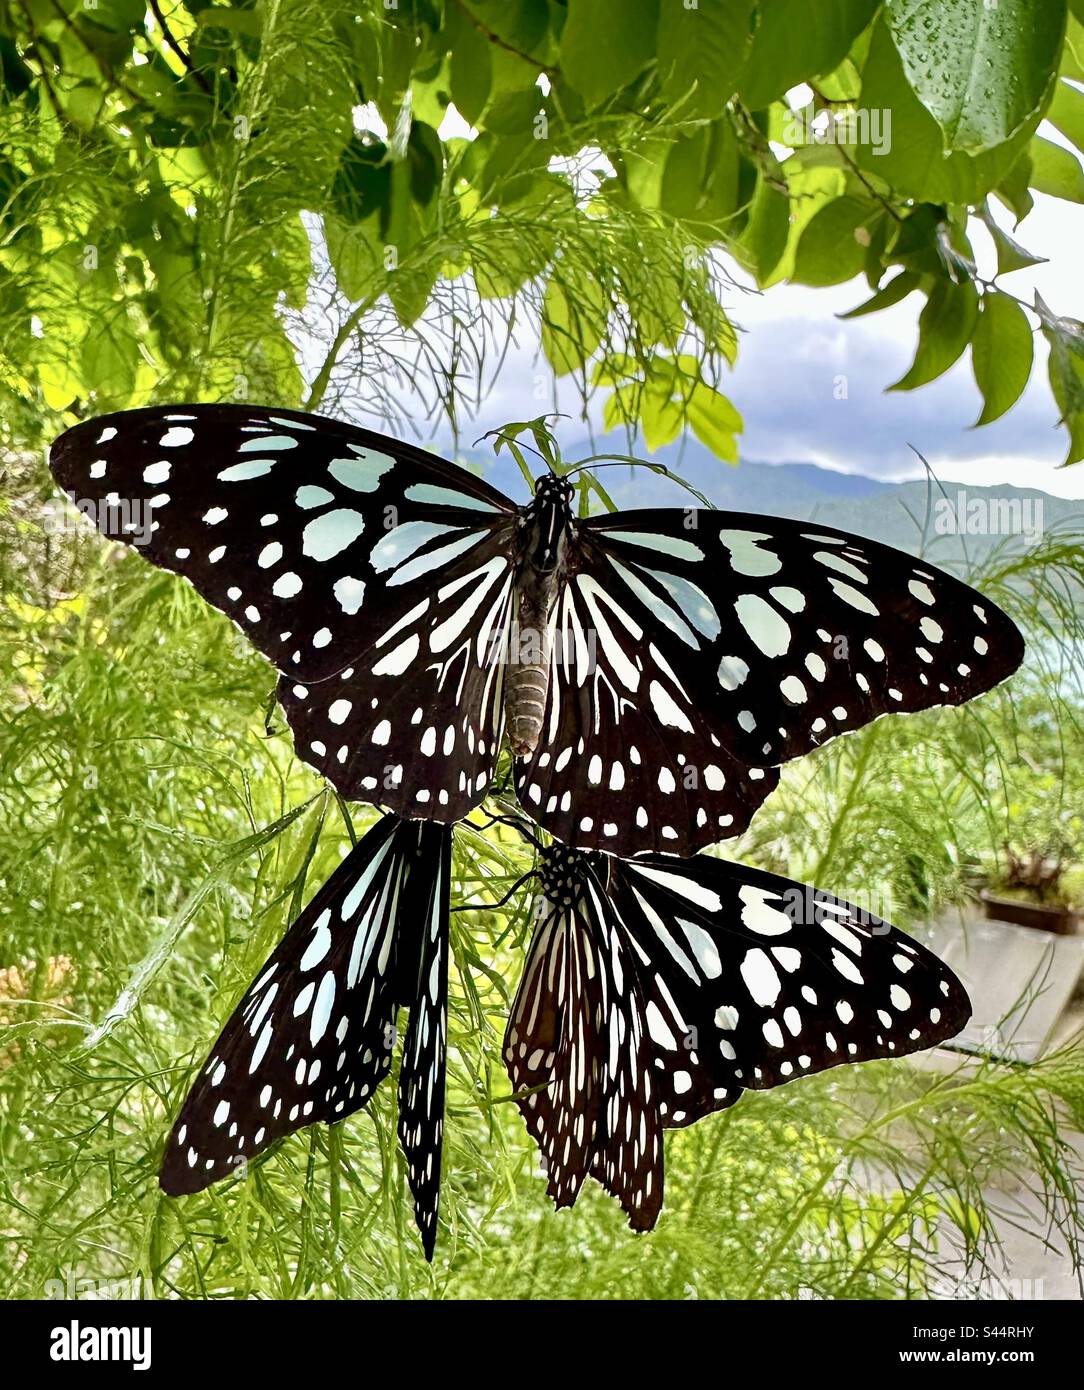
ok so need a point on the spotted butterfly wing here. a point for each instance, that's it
(375, 576)
(313, 1035)
(714, 978)
(694, 651)
(579, 1058)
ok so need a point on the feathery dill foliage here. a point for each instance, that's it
(158, 833)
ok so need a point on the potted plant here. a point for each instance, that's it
(1040, 879)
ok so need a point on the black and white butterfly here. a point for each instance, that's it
(313, 1036)
(656, 990)
(655, 666)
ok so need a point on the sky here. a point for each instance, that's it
(795, 348)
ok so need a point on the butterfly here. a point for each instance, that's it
(312, 1037)
(657, 989)
(653, 667)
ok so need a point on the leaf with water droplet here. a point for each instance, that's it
(990, 67)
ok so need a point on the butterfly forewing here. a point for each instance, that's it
(375, 576)
(313, 1035)
(774, 979)
(790, 633)
(712, 646)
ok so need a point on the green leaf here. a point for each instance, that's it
(355, 255)
(522, 26)
(896, 290)
(1066, 112)
(795, 40)
(606, 43)
(810, 189)
(573, 322)
(362, 183)
(1066, 371)
(1056, 171)
(60, 383)
(1010, 254)
(700, 180)
(661, 417)
(471, 68)
(980, 70)
(425, 156)
(409, 288)
(701, 52)
(833, 246)
(248, 22)
(915, 163)
(1014, 190)
(764, 238)
(619, 408)
(945, 327)
(715, 422)
(1002, 351)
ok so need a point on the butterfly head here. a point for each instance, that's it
(561, 872)
(551, 488)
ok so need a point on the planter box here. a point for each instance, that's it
(1062, 921)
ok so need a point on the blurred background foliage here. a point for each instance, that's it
(255, 202)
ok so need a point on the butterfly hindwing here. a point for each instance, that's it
(577, 1058)
(313, 1035)
(708, 647)
(375, 576)
(416, 727)
(422, 1075)
(628, 760)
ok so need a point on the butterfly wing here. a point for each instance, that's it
(375, 576)
(771, 979)
(724, 644)
(422, 1076)
(702, 978)
(312, 1037)
(549, 1048)
(628, 759)
(578, 1056)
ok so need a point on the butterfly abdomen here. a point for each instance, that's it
(543, 542)
(528, 675)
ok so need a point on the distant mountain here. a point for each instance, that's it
(911, 515)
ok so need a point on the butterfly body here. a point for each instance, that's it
(544, 533)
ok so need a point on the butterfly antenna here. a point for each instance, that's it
(492, 907)
(517, 824)
(658, 468)
(589, 463)
(511, 439)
